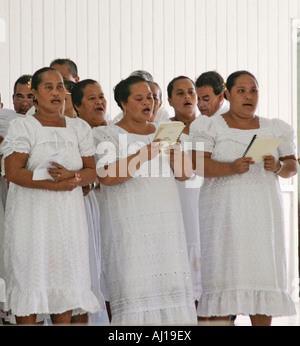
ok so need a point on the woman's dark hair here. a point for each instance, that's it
(77, 91)
(36, 78)
(171, 84)
(122, 89)
(69, 85)
(213, 79)
(235, 75)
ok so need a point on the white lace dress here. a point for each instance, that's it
(242, 226)
(143, 239)
(189, 191)
(46, 256)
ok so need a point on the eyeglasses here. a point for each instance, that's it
(21, 99)
(205, 103)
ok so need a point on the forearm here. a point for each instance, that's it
(87, 175)
(182, 166)
(120, 171)
(23, 177)
(288, 169)
(204, 166)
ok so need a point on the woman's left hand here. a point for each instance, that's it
(60, 172)
(271, 164)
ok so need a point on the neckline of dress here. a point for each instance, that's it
(236, 129)
(131, 133)
(51, 127)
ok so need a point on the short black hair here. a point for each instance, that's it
(213, 79)
(170, 86)
(77, 90)
(122, 89)
(24, 79)
(72, 67)
(36, 78)
(235, 75)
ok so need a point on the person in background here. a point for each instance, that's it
(242, 219)
(22, 96)
(69, 109)
(182, 97)
(143, 239)
(46, 264)
(90, 105)
(1, 103)
(210, 88)
(67, 68)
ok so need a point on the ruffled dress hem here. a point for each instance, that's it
(55, 301)
(246, 302)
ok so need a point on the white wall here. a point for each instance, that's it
(110, 38)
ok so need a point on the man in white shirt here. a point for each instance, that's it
(210, 88)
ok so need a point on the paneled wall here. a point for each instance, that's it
(110, 38)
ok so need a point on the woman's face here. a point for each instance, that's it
(93, 105)
(157, 99)
(184, 98)
(139, 105)
(243, 96)
(51, 92)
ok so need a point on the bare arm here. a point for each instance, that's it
(213, 169)
(87, 173)
(122, 170)
(16, 172)
(287, 169)
(181, 163)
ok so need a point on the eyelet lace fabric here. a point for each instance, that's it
(144, 249)
(242, 226)
(46, 257)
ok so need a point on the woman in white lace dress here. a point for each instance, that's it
(143, 239)
(242, 227)
(182, 97)
(46, 263)
(90, 104)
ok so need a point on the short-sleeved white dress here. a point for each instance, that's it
(46, 251)
(143, 239)
(242, 225)
(189, 191)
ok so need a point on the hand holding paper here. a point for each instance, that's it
(169, 132)
(41, 171)
(260, 147)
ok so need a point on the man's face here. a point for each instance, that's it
(64, 71)
(208, 101)
(23, 98)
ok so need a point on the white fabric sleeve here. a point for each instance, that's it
(106, 146)
(203, 132)
(85, 138)
(287, 146)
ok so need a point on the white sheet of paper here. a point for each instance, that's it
(261, 147)
(41, 171)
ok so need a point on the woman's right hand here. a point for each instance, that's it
(69, 184)
(242, 165)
